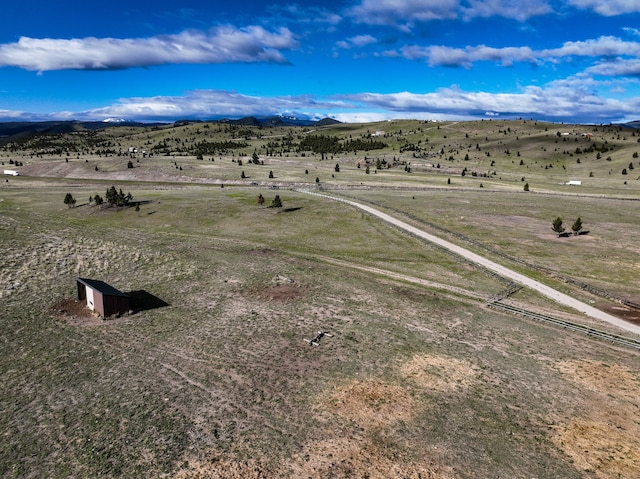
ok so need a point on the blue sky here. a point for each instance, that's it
(353, 60)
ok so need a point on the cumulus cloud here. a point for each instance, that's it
(446, 56)
(224, 44)
(357, 41)
(402, 13)
(559, 101)
(405, 14)
(606, 46)
(616, 68)
(608, 8)
(574, 99)
(440, 55)
(520, 10)
(206, 104)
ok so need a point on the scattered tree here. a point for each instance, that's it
(277, 202)
(242, 175)
(337, 168)
(557, 226)
(260, 199)
(271, 174)
(69, 200)
(526, 187)
(576, 226)
(130, 164)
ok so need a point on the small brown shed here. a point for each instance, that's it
(103, 298)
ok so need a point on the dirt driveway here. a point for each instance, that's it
(549, 292)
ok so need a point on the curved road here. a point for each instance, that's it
(551, 293)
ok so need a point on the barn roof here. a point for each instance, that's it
(101, 287)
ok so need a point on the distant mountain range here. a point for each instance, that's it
(20, 130)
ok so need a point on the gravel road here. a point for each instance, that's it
(549, 292)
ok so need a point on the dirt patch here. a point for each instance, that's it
(371, 403)
(621, 311)
(348, 458)
(606, 440)
(283, 288)
(439, 373)
(284, 292)
(76, 313)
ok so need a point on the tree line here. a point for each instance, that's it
(113, 196)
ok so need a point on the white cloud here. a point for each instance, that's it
(574, 99)
(225, 44)
(606, 46)
(206, 104)
(608, 8)
(405, 14)
(520, 10)
(402, 13)
(357, 42)
(632, 31)
(618, 67)
(569, 101)
(440, 55)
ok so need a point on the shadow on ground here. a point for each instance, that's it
(142, 300)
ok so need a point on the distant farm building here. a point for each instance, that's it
(11, 172)
(102, 298)
(574, 183)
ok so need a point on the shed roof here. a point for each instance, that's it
(102, 287)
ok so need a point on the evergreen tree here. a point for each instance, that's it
(576, 226)
(69, 200)
(277, 202)
(260, 199)
(557, 226)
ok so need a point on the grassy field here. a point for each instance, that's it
(420, 378)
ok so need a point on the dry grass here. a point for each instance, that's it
(440, 373)
(418, 380)
(605, 438)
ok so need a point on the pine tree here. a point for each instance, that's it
(576, 226)
(69, 200)
(557, 226)
(277, 202)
